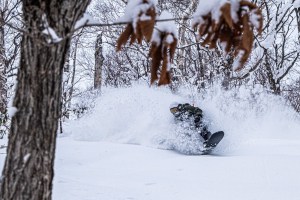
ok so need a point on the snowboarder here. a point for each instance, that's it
(194, 115)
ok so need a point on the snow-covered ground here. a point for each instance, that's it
(119, 151)
(110, 171)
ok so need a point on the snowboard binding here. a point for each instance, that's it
(212, 141)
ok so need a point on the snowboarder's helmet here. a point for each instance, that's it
(174, 107)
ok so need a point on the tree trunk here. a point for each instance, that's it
(99, 59)
(297, 10)
(28, 169)
(273, 84)
(3, 88)
(181, 53)
(66, 77)
(71, 89)
(226, 71)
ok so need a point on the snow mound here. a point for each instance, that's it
(135, 115)
(140, 115)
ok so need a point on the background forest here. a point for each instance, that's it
(92, 61)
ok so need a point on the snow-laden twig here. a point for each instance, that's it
(85, 20)
(50, 31)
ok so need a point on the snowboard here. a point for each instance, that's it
(212, 142)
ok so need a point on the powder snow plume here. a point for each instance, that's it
(140, 115)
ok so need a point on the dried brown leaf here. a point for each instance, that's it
(247, 4)
(165, 53)
(213, 41)
(138, 33)
(208, 38)
(156, 55)
(164, 74)
(173, 48)
(204, 28)
(124, 36)
(226, 39)
(143, 28)
(233, 34)
(147, 26)
(226, 13)
(132, 38)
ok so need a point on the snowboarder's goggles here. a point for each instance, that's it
(174, 110)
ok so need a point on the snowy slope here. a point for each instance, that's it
(119, 150)
(110, 171)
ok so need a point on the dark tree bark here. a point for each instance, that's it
(3, 88)
(297, 11)
(273, 84)
(99, 59)
(28, 169)
(65, 113)
(227, 72)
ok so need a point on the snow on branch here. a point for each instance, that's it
(141, 14)
(85, 20)
(231, 23)
(51, 32)
(53, 37)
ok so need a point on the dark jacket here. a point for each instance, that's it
(185, 112)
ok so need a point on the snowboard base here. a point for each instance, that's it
(212, 142)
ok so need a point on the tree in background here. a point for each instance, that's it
(297, 11)
(3, 89)
(98, 62)
(3, 77)
(278, 49)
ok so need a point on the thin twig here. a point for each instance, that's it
(87, 24)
